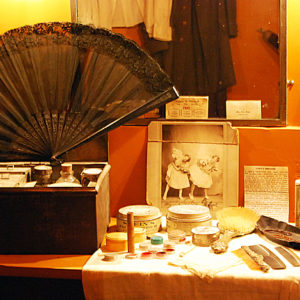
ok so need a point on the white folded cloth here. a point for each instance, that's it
(200, 274)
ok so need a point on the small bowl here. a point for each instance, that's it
(205, 235)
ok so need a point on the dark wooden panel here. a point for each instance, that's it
(45, 221)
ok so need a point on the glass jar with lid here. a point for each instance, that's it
(66, 174)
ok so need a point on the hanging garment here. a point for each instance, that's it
(198, 59)
(111, 13)
(157, 19)
(127, 13)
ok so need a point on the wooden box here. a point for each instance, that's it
(55, 220)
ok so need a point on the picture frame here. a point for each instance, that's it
(192, 163)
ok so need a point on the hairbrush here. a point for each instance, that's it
(233, 221)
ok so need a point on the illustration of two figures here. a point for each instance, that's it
(181, 174)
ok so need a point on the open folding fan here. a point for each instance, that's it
(62, 84)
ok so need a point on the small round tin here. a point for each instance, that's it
(89, 175)
(156, 240)
(186, 217)
(116, 241)
(205, 235)
(161, 255)
(43, 174)
(156, 248)
(145, 216)
(169, 251)
(145, 246)
(131, 256)
(169, 245)
(176, 235)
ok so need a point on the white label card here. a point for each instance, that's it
(188, 107)
(243, 109)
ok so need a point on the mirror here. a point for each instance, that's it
(258, 53)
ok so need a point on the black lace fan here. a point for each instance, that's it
(62, 84)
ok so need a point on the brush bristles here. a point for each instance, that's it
(240, 219)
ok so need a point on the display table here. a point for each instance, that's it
(210, 276)
(41, 276)
(218, 277)
(43, 266)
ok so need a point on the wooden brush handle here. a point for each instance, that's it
(221, 245)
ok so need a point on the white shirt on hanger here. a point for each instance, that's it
(127, 13)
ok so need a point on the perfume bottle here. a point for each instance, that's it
(66, 174)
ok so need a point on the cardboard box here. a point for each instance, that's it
(55, 220)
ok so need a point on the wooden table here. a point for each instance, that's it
(42, 276)
(43, 266)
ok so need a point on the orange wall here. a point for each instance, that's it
(293, 72)
(256, 63)
(16, 13)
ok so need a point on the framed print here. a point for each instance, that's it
(192, 163)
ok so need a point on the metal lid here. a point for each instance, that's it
(116, 236)
(66, 167)
(156, 240)
(176, 234)
(207, 230)
(199, 212)
(140, 212)
(91, 171)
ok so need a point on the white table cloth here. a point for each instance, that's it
(222, 276)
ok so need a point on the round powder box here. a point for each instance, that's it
(186, 217)
(116, 241)
(145, 216)
(205, 235)
(176, 235)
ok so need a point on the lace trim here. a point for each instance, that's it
(115, 45)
